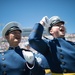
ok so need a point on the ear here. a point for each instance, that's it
(51, 32)
(6, 36)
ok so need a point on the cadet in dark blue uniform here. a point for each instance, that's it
(16, 61)
(59, 52)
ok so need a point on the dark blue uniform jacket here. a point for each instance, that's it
(12, 62)
(59, 52)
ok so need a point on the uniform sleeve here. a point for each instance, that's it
(35, 39)
(37, 70)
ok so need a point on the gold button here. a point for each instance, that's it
(61, 56)
(3, 58)
(65, 70)
(2, 54)
(63, 63)
(4, 73)
(23, 69)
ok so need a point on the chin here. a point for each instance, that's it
(61, 35)
(16, 41)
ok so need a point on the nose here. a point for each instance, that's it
(62, 25)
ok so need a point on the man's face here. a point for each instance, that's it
(58, 30)
(14, 38)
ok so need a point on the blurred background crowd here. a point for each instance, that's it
(4, 45)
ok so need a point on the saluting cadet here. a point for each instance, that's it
(59, 52)
(16, 61)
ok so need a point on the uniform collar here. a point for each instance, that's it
(59, 38)
(14, 48)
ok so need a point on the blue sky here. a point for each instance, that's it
(28, 12)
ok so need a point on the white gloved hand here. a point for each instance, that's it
(39, 60)
(29, 56)
(45, 20)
